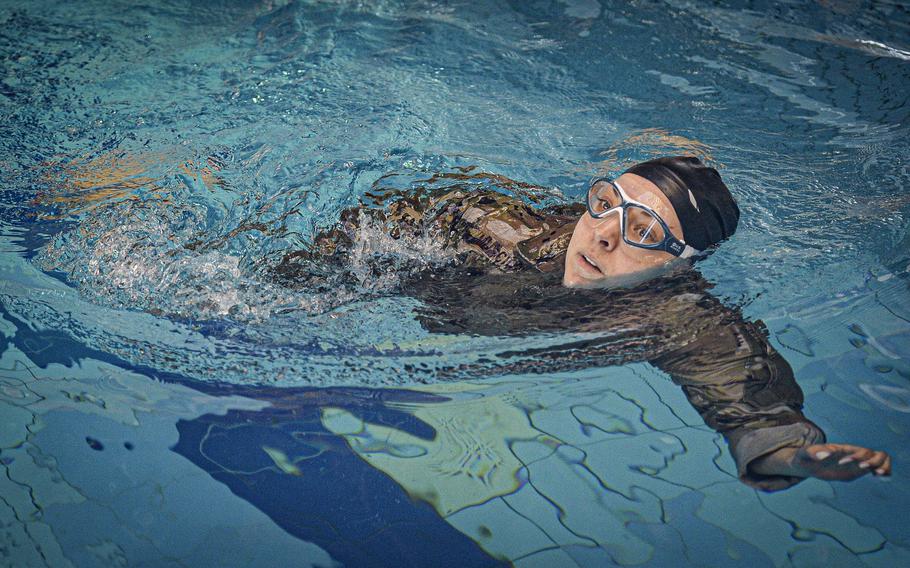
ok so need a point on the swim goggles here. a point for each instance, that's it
(641, 226)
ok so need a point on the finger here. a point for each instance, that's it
(836, 449)
(860, 455)
(825, 451)
(874, 461)
(851, 454)
(885, 468)
(843, 448)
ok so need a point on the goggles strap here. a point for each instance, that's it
(689, 252)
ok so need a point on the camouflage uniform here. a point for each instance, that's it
(507, 282)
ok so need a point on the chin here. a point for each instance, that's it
(569, 282)
(626, 280)
(576, 281)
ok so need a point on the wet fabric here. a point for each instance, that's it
(476, 228)
(505, 279)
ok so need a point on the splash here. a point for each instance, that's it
(166, 258)
(135, 255)
(378, 261)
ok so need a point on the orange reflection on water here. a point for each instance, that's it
(80, 185)
(654, 143)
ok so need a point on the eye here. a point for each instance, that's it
(643, 227)
(649, 233)
(602, 196)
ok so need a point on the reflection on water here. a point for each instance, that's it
(651, 143)
(592, 467)
(77, 186)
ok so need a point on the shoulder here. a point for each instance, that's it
(545, 251)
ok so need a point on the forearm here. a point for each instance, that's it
(746, 391)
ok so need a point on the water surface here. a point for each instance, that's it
(165, 402)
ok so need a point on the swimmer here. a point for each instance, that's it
(631, 227)
(620, 265)
(625, 261)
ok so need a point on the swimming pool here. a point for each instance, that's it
(163, 402)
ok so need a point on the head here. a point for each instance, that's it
(691, 200)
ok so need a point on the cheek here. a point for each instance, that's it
(578, 234)
(650, 259)
(632, 257)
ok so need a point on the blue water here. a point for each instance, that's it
(164, 402)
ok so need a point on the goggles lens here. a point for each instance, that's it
(640, 227)
(602, 197)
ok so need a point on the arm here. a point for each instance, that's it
(743, 389)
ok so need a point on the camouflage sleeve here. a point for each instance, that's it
(742, 388)
(480, 227)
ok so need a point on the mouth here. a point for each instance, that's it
(589, 265)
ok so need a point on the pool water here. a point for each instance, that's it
(164, 401)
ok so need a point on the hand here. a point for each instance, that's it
(840, 462)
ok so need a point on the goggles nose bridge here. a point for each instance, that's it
(607, 215)
(607, 231)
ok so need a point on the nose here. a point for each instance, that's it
(607, 231)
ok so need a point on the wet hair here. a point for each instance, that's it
(706, 209)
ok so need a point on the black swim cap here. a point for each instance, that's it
(702, 202)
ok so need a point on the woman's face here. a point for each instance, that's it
(597, 255)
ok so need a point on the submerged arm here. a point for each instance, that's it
(743, 389)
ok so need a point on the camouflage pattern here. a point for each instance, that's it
(479, 228)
